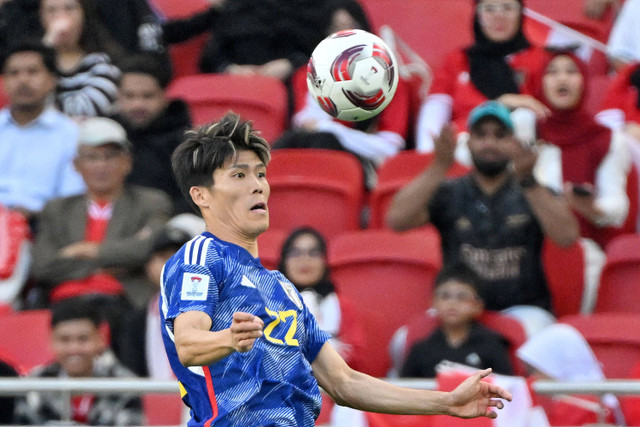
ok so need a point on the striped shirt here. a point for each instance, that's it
(90, 89)
(270, 385)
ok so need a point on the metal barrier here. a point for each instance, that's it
(140, 386)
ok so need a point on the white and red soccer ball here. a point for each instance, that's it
(352, 74)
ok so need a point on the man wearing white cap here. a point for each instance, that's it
(97, 243)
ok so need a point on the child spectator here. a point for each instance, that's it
(457, 301)
(80, 352)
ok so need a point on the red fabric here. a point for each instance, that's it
(583, 142)
(631, 404)
(622, 95)
(101, 283)
(80, 407)
(99, 215)
(394, 118)
(352, 333)
(14, 230)
(453, 79)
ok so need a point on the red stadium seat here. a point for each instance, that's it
(614, 339)
(432, 28)
(389, 277)
(269, 244)
(258, 98)
(395, 173)
(320, 188)
(163, 409)
(565, 271)
(185, 56)
(26, 338)
(620, 276)
(4, 101)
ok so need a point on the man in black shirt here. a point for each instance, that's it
(494, 219)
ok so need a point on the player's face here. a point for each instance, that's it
(488, 143)
(304, 262)
(140, 99)
(499, 19)
(239, 195)
(75, 344)
(103, 168)
(456, 303)
(563, 83)
(27, 81)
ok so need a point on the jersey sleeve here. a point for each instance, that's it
(190, 282)
(315, 337)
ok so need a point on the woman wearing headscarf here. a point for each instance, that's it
(560, 352)
(493, 67)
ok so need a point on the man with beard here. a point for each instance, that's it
(154, 124)
(495, 218)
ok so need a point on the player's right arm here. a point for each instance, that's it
(409, 206)
(198, 346)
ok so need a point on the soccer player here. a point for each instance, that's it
(243, 345)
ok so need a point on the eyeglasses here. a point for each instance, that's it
(458, 296)
(510, 8)
(299, 252)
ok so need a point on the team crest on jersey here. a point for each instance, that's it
(291, 293)
(195, 287)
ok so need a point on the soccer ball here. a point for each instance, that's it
(352, 75)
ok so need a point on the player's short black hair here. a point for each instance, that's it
(148, 64)
(32, 45)
(207, 148)
(75, 309)
(460, 273)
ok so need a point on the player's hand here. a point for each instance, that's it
(476, 398)
(245, 330)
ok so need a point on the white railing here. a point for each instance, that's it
(140, 386)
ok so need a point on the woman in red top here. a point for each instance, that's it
(494, 67)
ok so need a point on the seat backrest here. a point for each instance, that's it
(26, 338)
(269, 244)
(163, 409)
(614, 339)
(565, 272)
(620, 276)
(431, 28)
(395, 173)
(315, 187)
(389, 277)
(258, 98)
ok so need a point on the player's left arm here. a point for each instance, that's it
(472, 398)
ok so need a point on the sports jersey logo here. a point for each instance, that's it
(291, 293)
(195, 287)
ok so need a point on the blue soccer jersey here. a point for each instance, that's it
(270, 385)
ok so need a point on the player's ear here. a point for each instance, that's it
(200, 196)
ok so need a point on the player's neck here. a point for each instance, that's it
(224, 233)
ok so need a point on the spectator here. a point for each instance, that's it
(623, 46)
(96, 243)
(493, 68)
(495, 218)
(590, 160)
(596, 9)
(155, 125)
(561, 353)
(141, 348)
(271, 38)
(84, 51)
(80, 352)
(303, 260)
(36, 157)
(18, 19)
(371, 140)
(457, 301)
